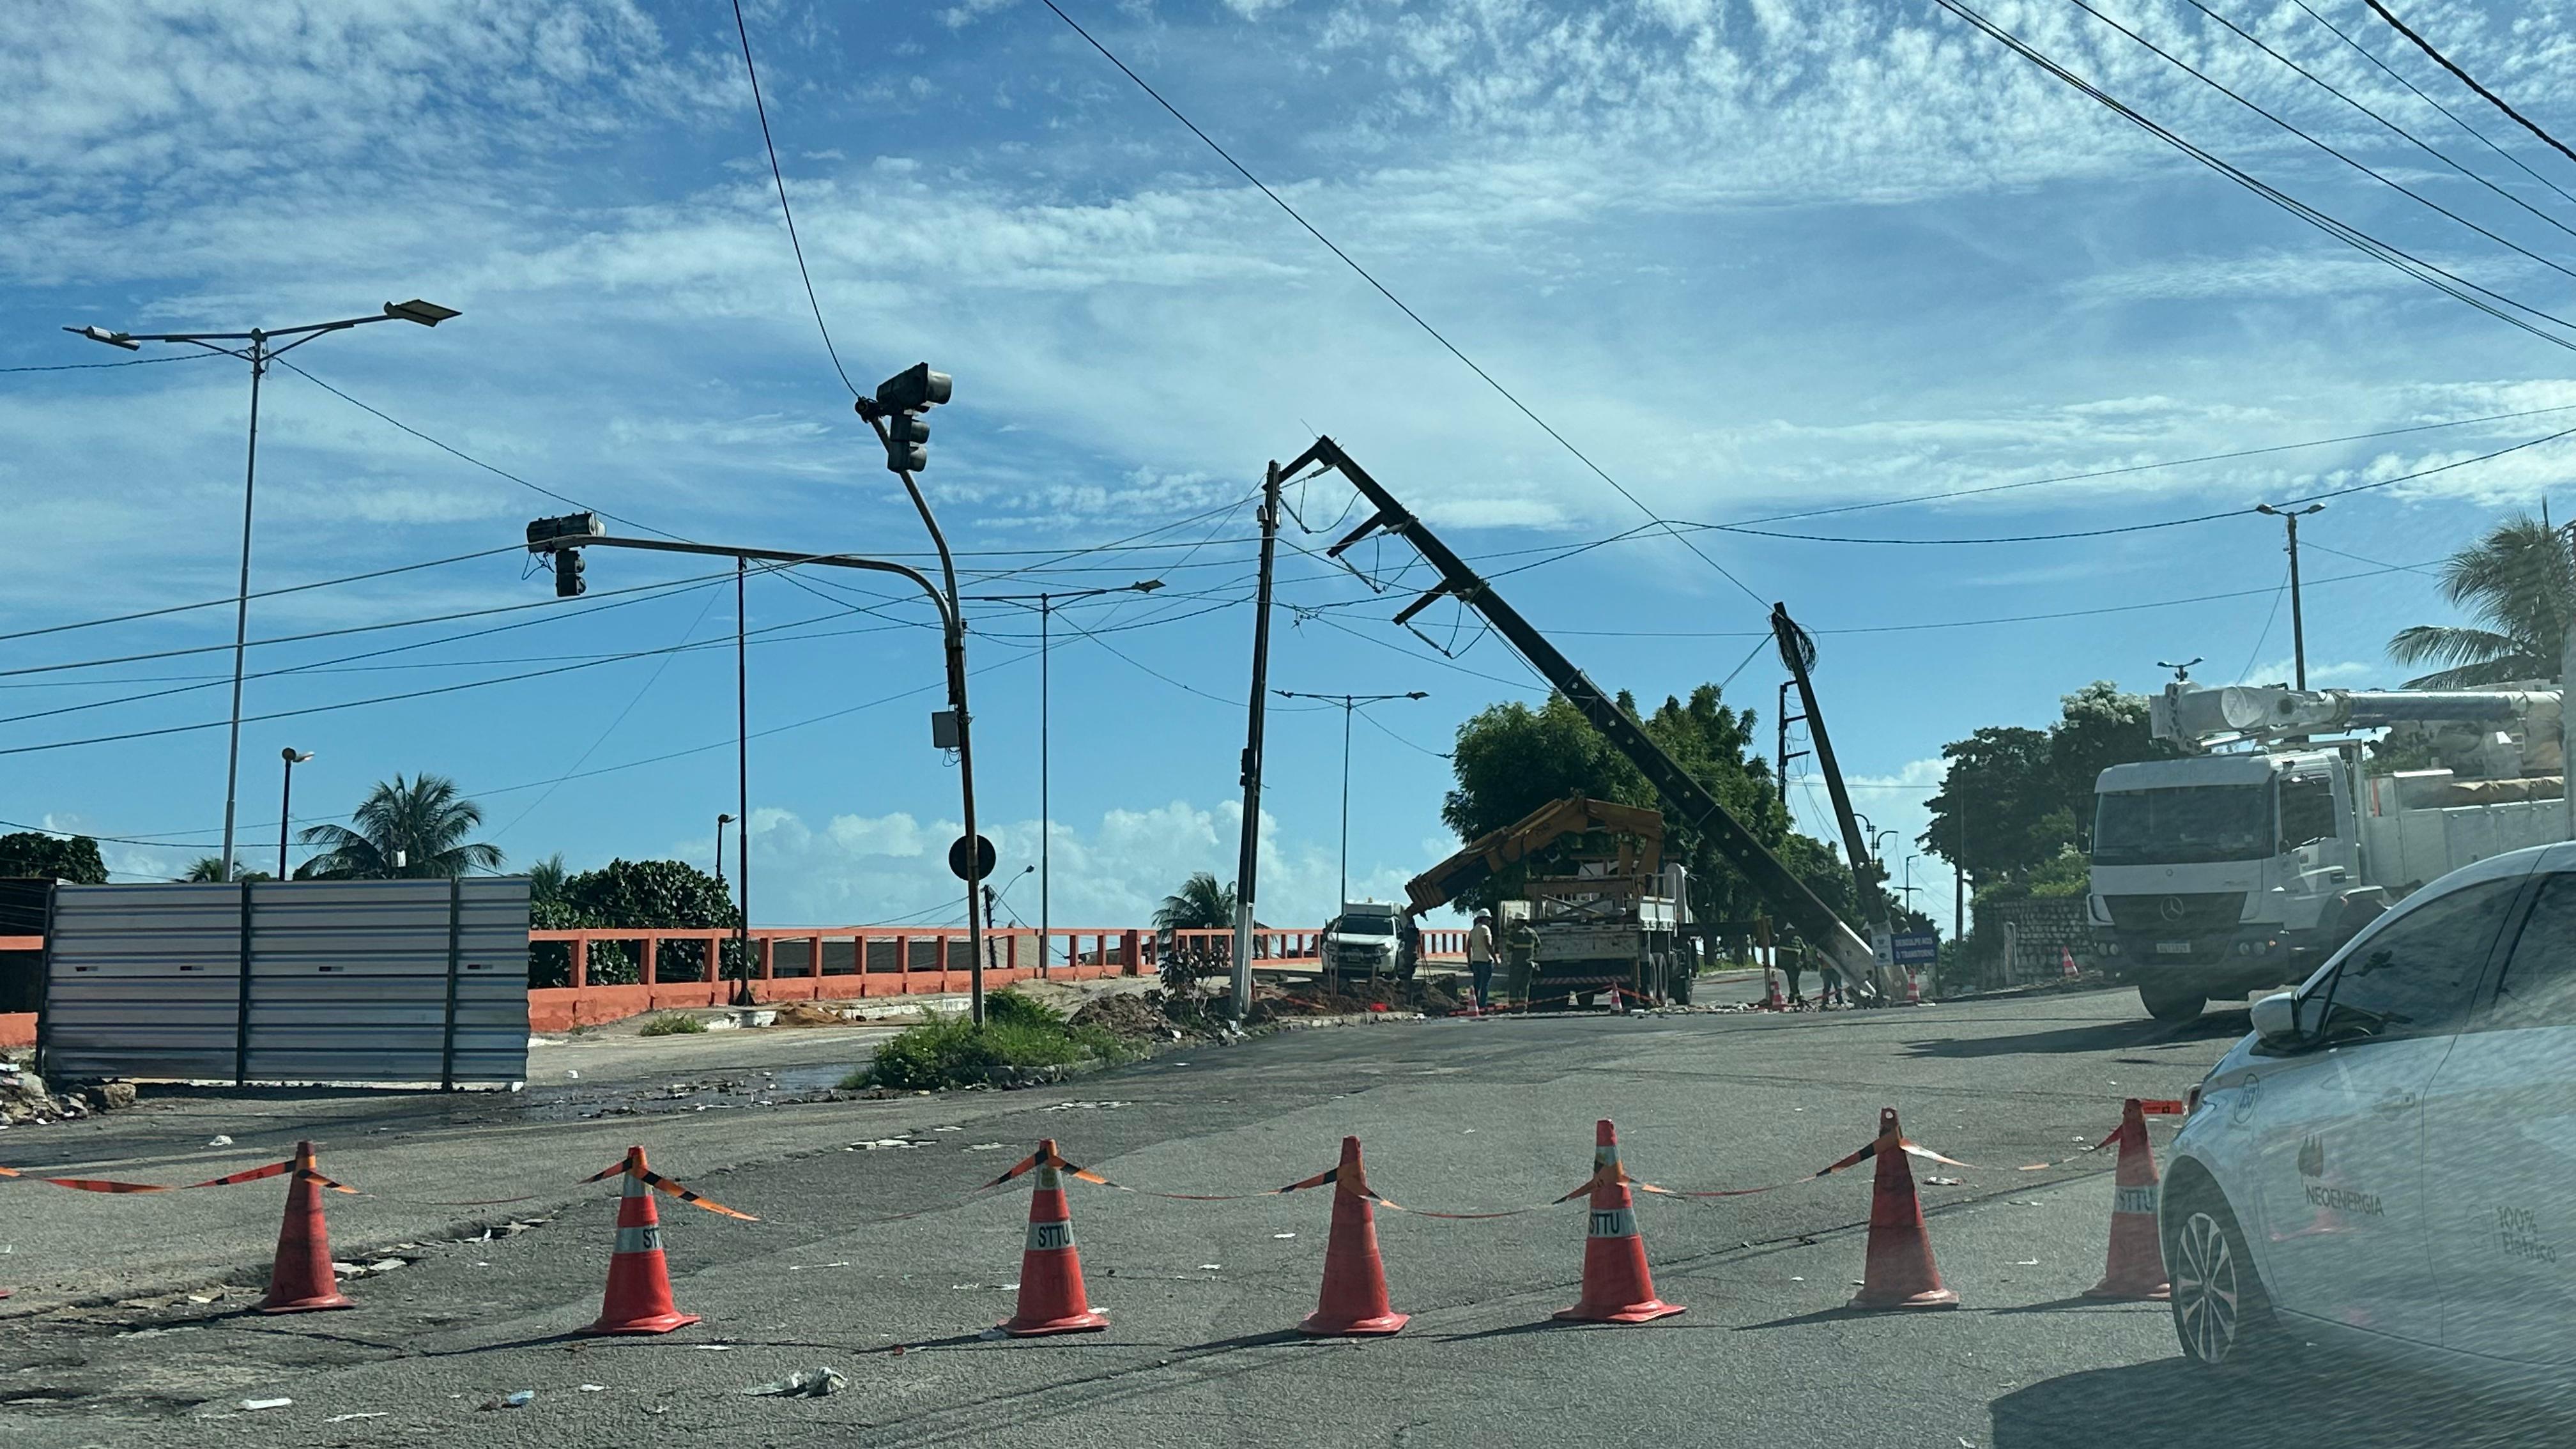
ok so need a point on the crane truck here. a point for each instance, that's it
(2245, 865)
(1685, 799)
(1604, 908)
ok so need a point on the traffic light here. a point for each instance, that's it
(568, 584)
(902, 399)
(907, 443)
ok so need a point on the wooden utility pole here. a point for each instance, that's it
(1247, 860)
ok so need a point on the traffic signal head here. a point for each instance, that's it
(545, 533)
(914, 388)
(907, 443)
(568, 582)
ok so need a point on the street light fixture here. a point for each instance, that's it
(1046, 603)
(721, 822)
(286, 802)
(1351, 704)
(258, 348)
(2298, 621)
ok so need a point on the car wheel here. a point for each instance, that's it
(2170, 1003)
(2220, 1312)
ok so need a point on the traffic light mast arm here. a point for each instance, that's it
(1689, 801)
(947, 616)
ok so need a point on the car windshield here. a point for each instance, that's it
(2183, 825)
(1366, 925)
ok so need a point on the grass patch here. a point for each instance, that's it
(947, 1052)
(673, 1023)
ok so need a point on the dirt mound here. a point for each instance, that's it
(806, 1013)
(1123, 1015)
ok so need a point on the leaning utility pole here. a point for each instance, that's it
(1248, 859)
(1798, 654)
(2298, 618)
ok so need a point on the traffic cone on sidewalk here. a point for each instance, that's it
(1899, 1272)
(1353, 1303)
(1616, 1285)
(638, 1300)
(301, 1280)
(2135, 1266)
(1051, 1297)
(2066, 964)
(1913, 989)
(1771, 981)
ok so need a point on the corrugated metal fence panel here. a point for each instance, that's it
(144, 981)
(350, 981)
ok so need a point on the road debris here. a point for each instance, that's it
(255, 1405)
(591, 1389)
(219, 1140)
(357, 1414)
(518, 1400)
(811, 1383)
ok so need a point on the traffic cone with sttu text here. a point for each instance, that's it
(1616, 1286)
(1051, 1296)
(1899, 1272)
(301, 1280)
(2135, 1267)
(638, 1300)
(1353, 1302)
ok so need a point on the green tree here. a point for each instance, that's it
(211, 868)
(423, 822)
(1201, 904)
(670, 894)
(2519, 583)
(72, 858)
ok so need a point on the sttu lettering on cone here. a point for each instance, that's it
(1051, 1297)
(1899, 1272)
(2134, 1266)
(1616, 1286)
(1354, 1302)
(301, 1281)
(638, 1300)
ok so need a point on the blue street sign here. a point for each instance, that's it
(1913, 950)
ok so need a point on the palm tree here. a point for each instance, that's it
(2518, 581)
(546, 879)
(1199, 905)
(211, 868)
(423, 822)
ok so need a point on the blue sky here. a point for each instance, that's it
(1755, 259)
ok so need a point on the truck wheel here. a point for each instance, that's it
(1677, 977)
(2171, 1003)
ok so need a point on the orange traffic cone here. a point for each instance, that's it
(638, 1300)
(2136, 1263)
(2066, 963)
(1616, 1285)
(1900, 1272)
(1913, 989)
(301, 1280)
(1051, 1297)
(1771, 980)
(1354, 1302)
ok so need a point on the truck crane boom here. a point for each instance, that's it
(1494, 851)
(1685, 798)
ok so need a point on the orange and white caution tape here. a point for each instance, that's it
(2153, 1107)
(654, 1179)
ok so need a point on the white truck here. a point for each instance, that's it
(2244, 866)
(1362, 941)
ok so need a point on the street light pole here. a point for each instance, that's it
(2298, 621)
(1350, 703)
(286, 803)
(259, 349)
(722, 821)
(1046, 603)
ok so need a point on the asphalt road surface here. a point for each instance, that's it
(883, 1262)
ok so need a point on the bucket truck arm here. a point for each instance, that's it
(1683, 796)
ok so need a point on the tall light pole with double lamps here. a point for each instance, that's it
(258, 347)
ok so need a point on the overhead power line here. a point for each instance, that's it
(1399, 303)
(260, 593)
(2450, 284)
(129, 362)
(761, 109)
(2469, 80)
(2455, 118)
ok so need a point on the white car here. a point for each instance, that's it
(2389, 1160)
